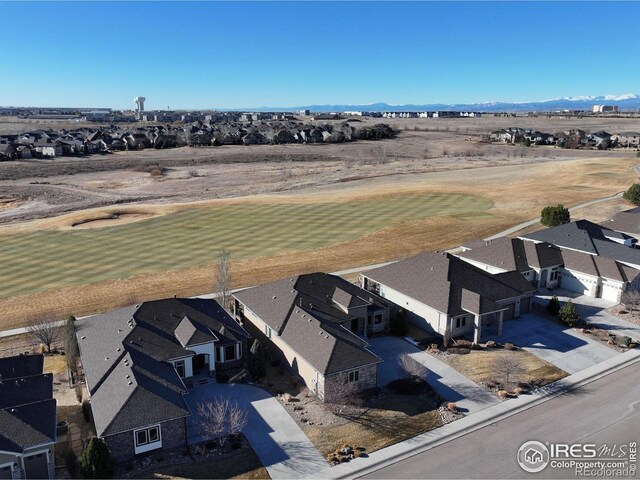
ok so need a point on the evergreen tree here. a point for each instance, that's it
(553, 307)
(95, 461)
(257, 364)
(568, 314)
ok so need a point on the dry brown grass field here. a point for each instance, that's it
(514, 192)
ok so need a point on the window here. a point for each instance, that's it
(354, 376)
(378, 319)
(179, 366)
(461, 322)
(228, 353)
(147, 436)
(267, 331)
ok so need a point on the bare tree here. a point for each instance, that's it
(411, 367)
(238, 418)
(508, 366)
(340, 397)
(214, 415)
(223, 276)
(44, 330)
(71, 349)
(631, 300)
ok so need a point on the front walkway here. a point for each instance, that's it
(593, 311)
(447, 381)
(561, 346)
(283, 448)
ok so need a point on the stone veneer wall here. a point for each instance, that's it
(368, 378)
(173, 434)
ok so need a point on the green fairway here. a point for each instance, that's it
(192, 237)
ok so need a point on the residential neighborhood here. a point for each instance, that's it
(574, 138)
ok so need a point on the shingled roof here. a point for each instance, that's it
(513, 254)
(447, 283)
(307, 312)
(125, 353)
(27, 407)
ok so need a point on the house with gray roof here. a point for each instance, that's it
(627, 222)
(447, 296)
(597, 261)
(317, 324)
(140, 360)
(27, 419)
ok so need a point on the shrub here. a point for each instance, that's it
(71, 462)
(95, 461)
(554, 215)
(408, 386)
(398, 325)
(86, 411)
(463, 342)
(633, 194)
(256, 362)
(79, 393)
(509, 346)
(452, 407)
(519, 390)
(553, 307)
(503, 394)
(156, 172)
(624, 341)
(491, 344)
(458, 350)
(569, 315)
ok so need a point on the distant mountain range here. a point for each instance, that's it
(630, 101)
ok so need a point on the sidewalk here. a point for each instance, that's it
(451, 431)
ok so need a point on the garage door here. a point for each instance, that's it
(574, 284)
(5, 472)
(36, 466)
(610, 292)
(509, 314)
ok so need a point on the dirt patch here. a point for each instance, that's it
(111, 220)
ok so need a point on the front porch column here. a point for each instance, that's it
(477, 334)
(500, 320)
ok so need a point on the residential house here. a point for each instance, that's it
(600, 139)
(317, 323)
(139, 360)
(627, 139)
(27, 419)
(445, 295)
(597, 261)
(627, 222)
(48, 148)
(539, 263)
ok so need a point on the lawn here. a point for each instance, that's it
(396, 418)
(34, 262)
(245, 465)
(478, 366)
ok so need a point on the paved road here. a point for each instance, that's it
(448, 382)
(563, 347)
(283, 448)
(604, 411)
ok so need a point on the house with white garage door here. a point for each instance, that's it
(445, 295)
(597, 261)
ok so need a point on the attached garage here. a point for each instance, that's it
(510, 313)
(576, 282)
(611, 291)
(525, 305)
(36, 466)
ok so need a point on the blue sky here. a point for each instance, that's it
(242, 54)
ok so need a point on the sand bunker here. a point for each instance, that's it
(111, 219)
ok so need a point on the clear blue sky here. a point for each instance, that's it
(210, 54)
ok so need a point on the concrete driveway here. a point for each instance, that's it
(448, 382)
(283, 448)
(561, 346)
(593, 310)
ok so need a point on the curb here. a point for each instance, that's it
(544, 394)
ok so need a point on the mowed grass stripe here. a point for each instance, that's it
(47, 260)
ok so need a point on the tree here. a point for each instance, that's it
(568, 314)
(221, 417)
(633, 194)
(71, 349)
(340, 397)
(411, 367)
(398, 325)
(631, 300)
(95, 461)
(223, 276)
(553, 307)
(554, 215)
(256, 361)
(44, 330)
(507, 366)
